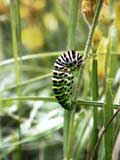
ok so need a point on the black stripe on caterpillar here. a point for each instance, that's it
(63, 76)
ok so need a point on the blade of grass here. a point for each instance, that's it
(43, 55)
(30, 57)
(61, 15)
(27, 82)
(78, 144)
(12, 139)
(18, 29)
(95, 109)
(1, 134)
(16, 42)
(69, 115)
(108, 107)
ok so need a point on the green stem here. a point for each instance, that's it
(15, 43)
(95, 97)
(18, 28)
(72, 24)
(108, 107)
(1, 133)
(88, 44)
(81, 141)
(70, 135)
(78, 102)
(69, 115)
(87, 48)
(92, 28)
(16, 39)
(108, 112)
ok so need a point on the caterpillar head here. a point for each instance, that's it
(76, 61)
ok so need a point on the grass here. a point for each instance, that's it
(69, 115)
(95, 98)
(108, 107)
(16, 41)
(86, 52)
(32, 99)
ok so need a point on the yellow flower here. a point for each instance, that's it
(32, 37)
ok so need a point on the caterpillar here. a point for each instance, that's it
(62, 78)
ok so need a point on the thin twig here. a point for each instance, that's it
(94, 23)
(103, 132)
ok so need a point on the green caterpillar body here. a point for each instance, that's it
(63, 76)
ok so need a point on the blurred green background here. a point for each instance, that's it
(44, 27)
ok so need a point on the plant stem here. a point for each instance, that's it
(18, 28)
(88, 43)
(86, 52)
(108, 107)
(1, 133)
(70, 135)
(78, 102)
(94, 97)
(72, 24)
(79, 144)
(16, 39)
(68, 116)
(92, 28)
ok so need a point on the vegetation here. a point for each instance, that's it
(33, 33)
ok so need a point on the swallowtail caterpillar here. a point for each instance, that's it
(63, 76)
